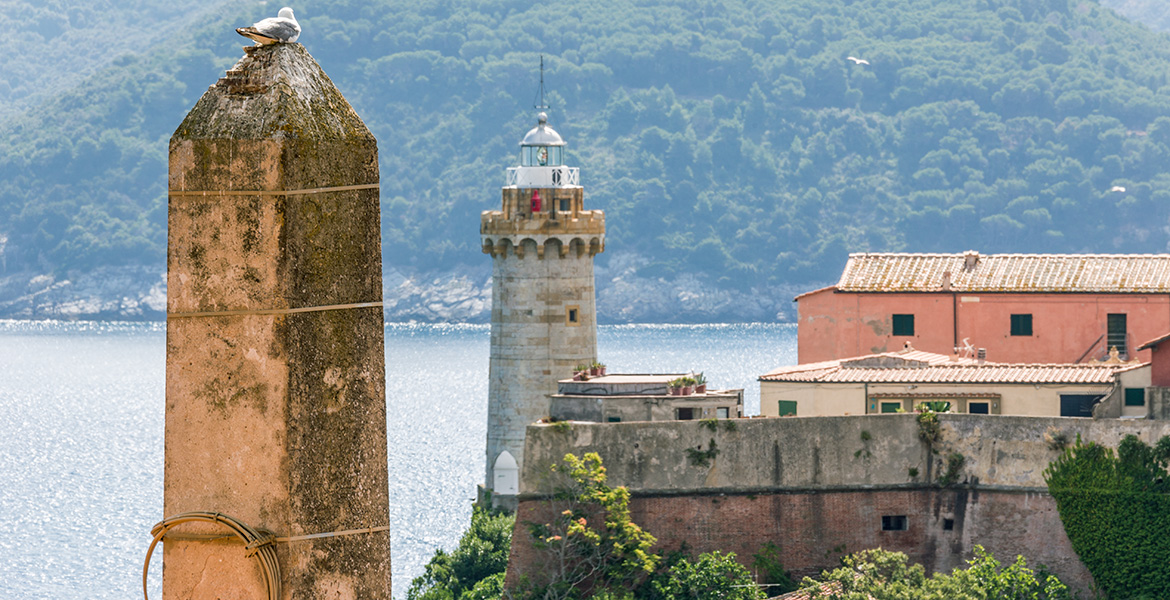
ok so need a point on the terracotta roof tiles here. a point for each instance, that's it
(925, 367)
(973, 272)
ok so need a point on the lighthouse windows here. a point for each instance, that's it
(572, 316)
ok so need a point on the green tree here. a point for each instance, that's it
(590, 543)
(475, 569)
(713, 576)
(1115, 509)
(884, 575)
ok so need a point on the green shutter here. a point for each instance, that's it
(1022, 324)
(903, 324)
(787, 407)
(1135, 396)
(891, 407)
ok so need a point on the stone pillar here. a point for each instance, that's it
(275, 397)
(544, 319)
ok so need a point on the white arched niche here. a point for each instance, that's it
(507, 475)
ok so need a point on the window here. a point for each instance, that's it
(1077, 405)
(613, 419)
(572, 316)
(1135, 396)
(1115, 334)
(722, 412)
(894, 523)
(685, 414)
(891, 407)
(1022, 324)
(979, 408)
(903, 324)
(948, 524)
(787, 408)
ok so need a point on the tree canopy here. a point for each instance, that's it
(735, 140)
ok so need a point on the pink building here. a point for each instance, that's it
(1160, 376)
(1033, 308)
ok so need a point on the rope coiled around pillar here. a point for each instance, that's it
(258, 544)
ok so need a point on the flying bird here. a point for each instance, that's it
(282, 28)
(1118, 188)
(857, 61)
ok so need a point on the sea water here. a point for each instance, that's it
(81, 437)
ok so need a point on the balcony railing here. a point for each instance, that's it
(544, 177)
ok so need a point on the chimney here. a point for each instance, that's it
(970, 259)
(981, 355)
(946, 281)
(275, 383)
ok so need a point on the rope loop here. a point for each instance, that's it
(260, 546)
(258, 543)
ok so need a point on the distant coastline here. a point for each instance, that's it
(459, 295)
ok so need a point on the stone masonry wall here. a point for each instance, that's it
(819, 486)
(532, 346)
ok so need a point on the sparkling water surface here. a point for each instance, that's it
(81, 437)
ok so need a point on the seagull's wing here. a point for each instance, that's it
(285, 30)
(258, 36)
(272, 30)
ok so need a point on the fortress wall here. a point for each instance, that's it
(817, 490)
(818, 453)
(813, 529)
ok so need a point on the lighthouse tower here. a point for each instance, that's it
(542, 242)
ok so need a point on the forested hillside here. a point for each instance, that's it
(731, 140)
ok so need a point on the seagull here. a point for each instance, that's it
(1117, 188)
(283, 28)
(857, 61)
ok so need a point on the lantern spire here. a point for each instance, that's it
(541, 105)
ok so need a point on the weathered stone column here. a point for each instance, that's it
(276, 410)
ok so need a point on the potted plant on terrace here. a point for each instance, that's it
(675, 386)
(700, 383)
(581, 372)
(688, 385)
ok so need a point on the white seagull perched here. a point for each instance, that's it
(282, 28)
(857, 61)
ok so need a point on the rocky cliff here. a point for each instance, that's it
(462, 294)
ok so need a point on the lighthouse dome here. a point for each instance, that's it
(542, 134)
(543, 146)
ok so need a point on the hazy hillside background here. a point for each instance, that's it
(738, 153)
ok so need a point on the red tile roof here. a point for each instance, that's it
(1098, 273)
(914, 366)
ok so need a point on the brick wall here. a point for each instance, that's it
(814, 529)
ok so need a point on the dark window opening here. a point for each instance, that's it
(572, 315)
(948, 524)
(1135, 396)
(564, 205)
(787, 408)
(891, 407)
(903, 324)
(1115, 334)
(686, 414)
(894, 523)
(1021, 324)
(614, 420)
(1077, 405)
(979, 408)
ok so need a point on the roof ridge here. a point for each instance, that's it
(1014, 254)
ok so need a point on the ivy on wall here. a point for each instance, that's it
(1116, 511)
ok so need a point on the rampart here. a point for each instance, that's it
(820, 487)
